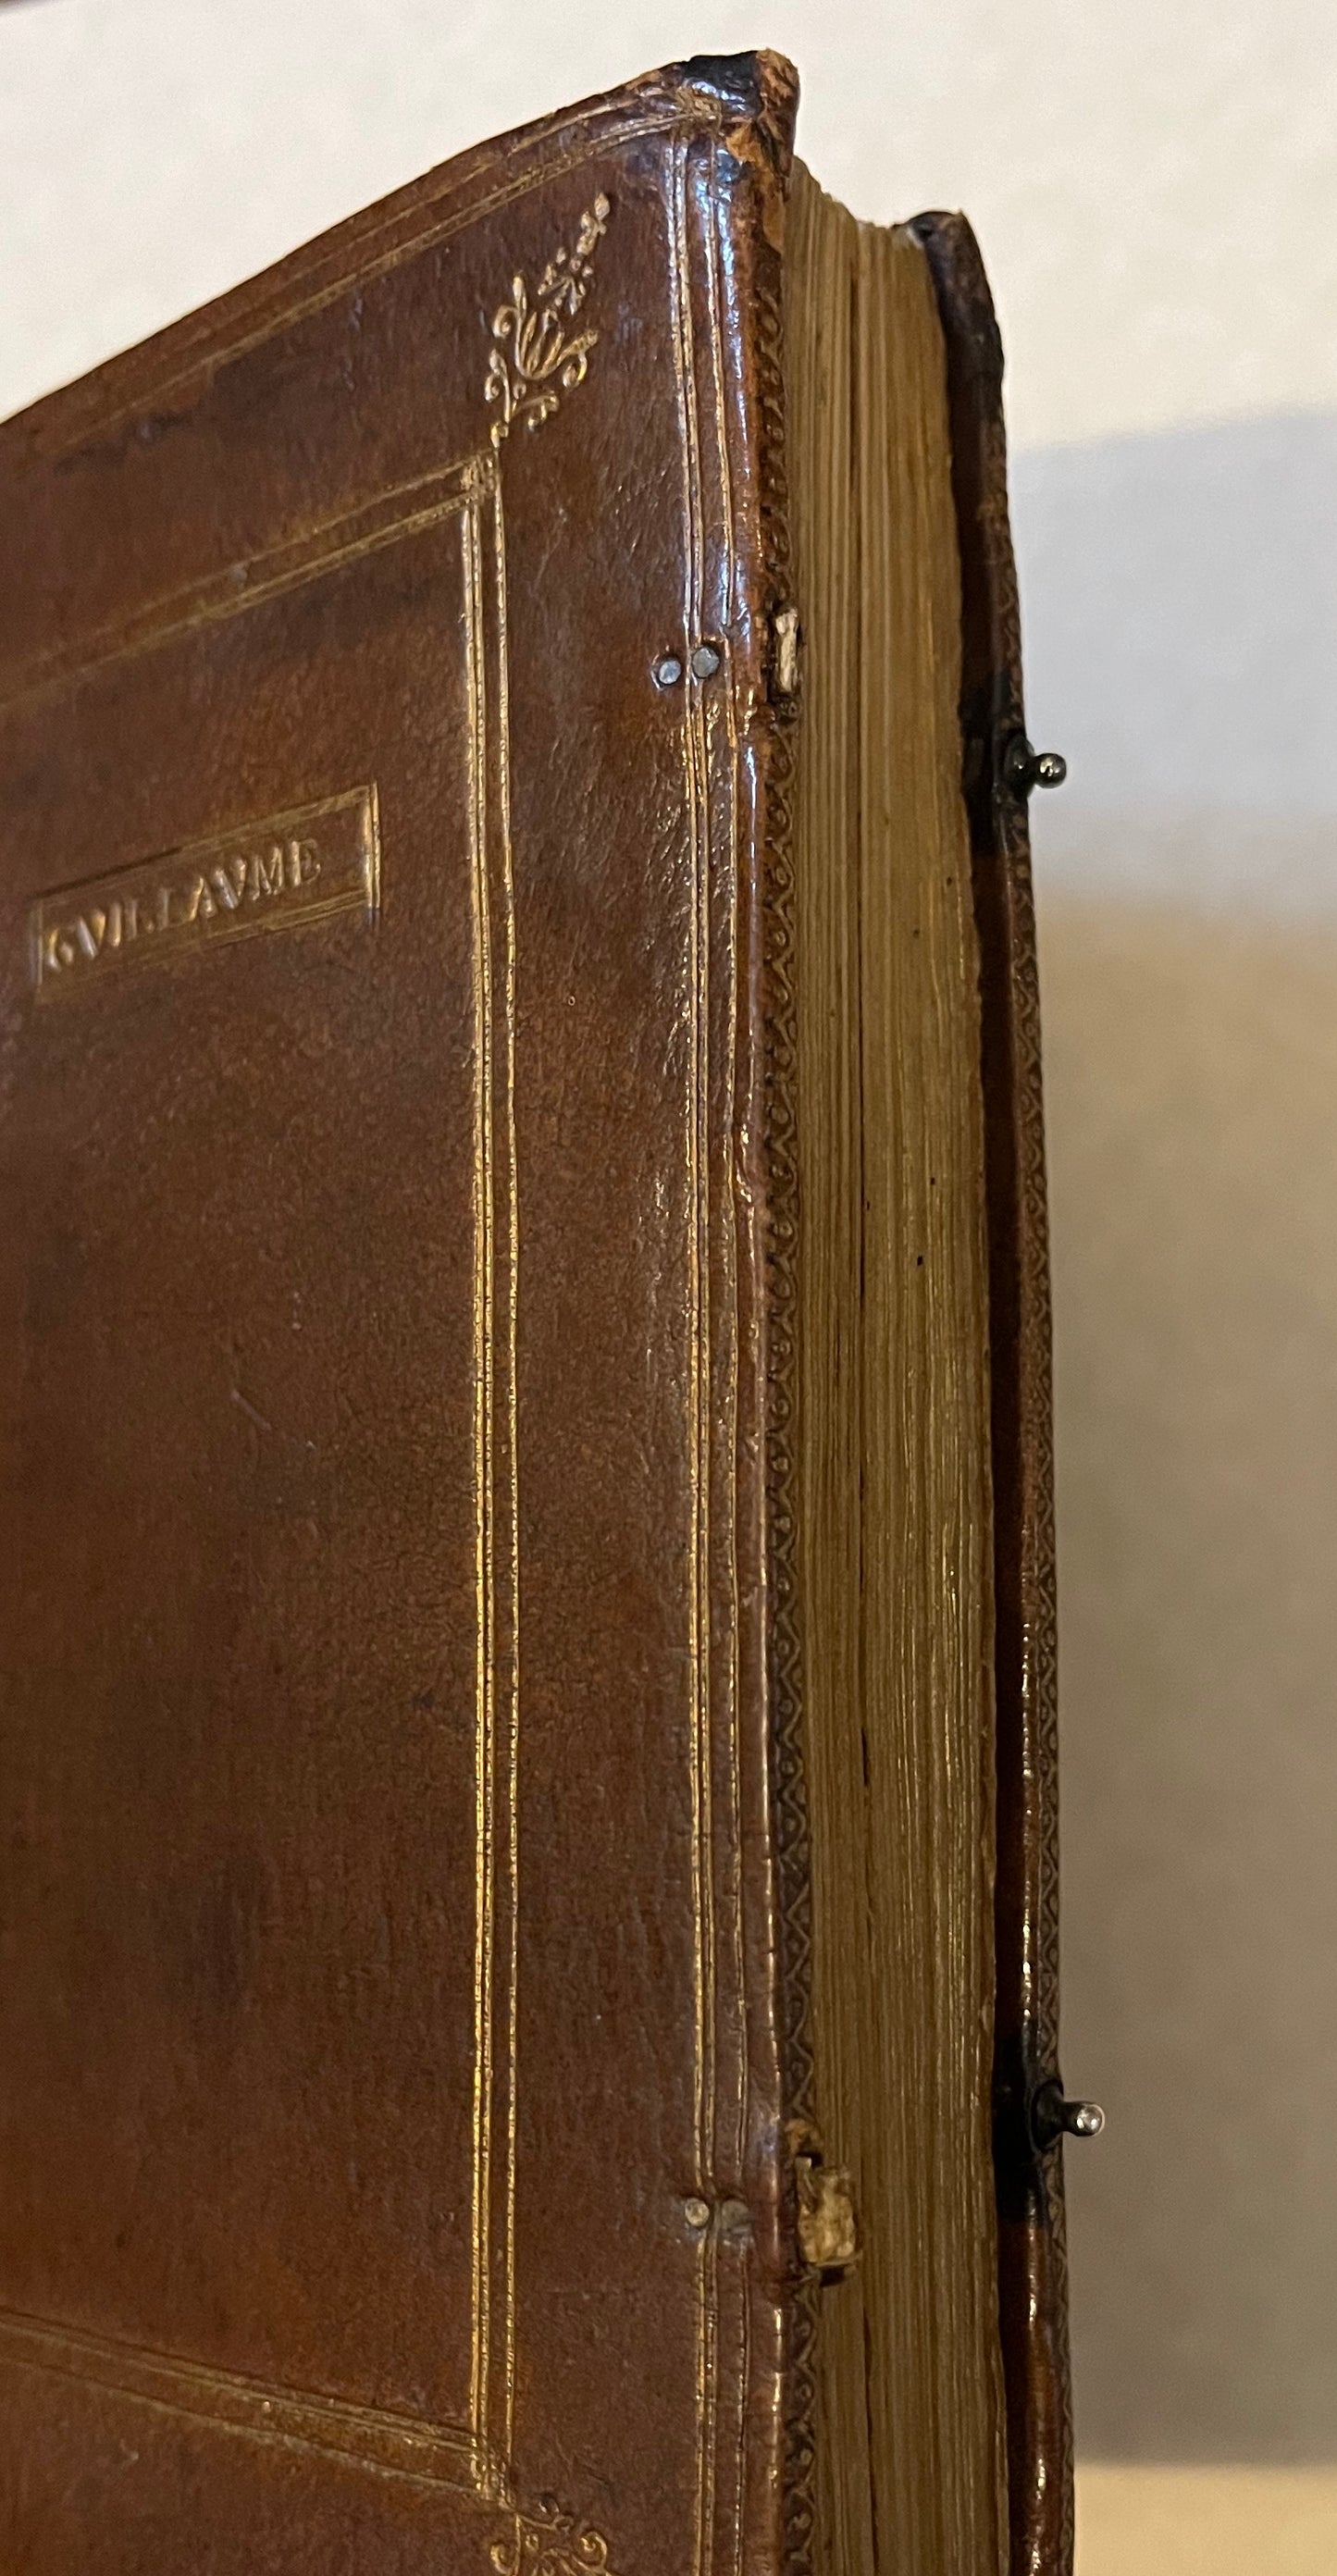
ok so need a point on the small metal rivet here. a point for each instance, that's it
(696, 2213)
(1083, 2119)
(668, 671)
(705, 662)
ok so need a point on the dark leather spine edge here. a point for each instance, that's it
(1033, 2305)
(759, 139)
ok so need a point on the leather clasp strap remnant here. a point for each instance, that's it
(828, 2226)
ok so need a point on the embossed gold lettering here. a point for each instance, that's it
(301, 867)
(265, 873)
(229, 881)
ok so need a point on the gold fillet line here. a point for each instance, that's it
(485, 1811)
(725, 700)
(258, 2408)
(512, 1757)
(496, 1462)
(400, 2445)
(697, 785)
(722, 706)
(691, 109)
(402, 510)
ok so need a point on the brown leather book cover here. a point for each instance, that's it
(402, 1995)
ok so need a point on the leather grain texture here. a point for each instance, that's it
(391, 2138)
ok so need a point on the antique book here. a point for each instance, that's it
(528, 2000)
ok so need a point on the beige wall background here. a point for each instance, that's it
(1155, 185)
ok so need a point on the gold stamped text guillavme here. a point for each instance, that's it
(286, 872)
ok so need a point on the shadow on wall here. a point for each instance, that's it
(1181, 599)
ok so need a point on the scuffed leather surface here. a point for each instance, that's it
(241, 1742)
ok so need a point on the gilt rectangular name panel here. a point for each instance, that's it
(282, 873)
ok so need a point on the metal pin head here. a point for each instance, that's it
(1053, 2117)
(1024, 767)
(697, 2213)
(668, 671)
(705, 662)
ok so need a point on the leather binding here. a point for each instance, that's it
(1033, 2305)
(403, 1925)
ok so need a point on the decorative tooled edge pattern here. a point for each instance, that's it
(550, 2542)
(783, 1197)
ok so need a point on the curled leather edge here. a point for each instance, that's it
(1032, 2268)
